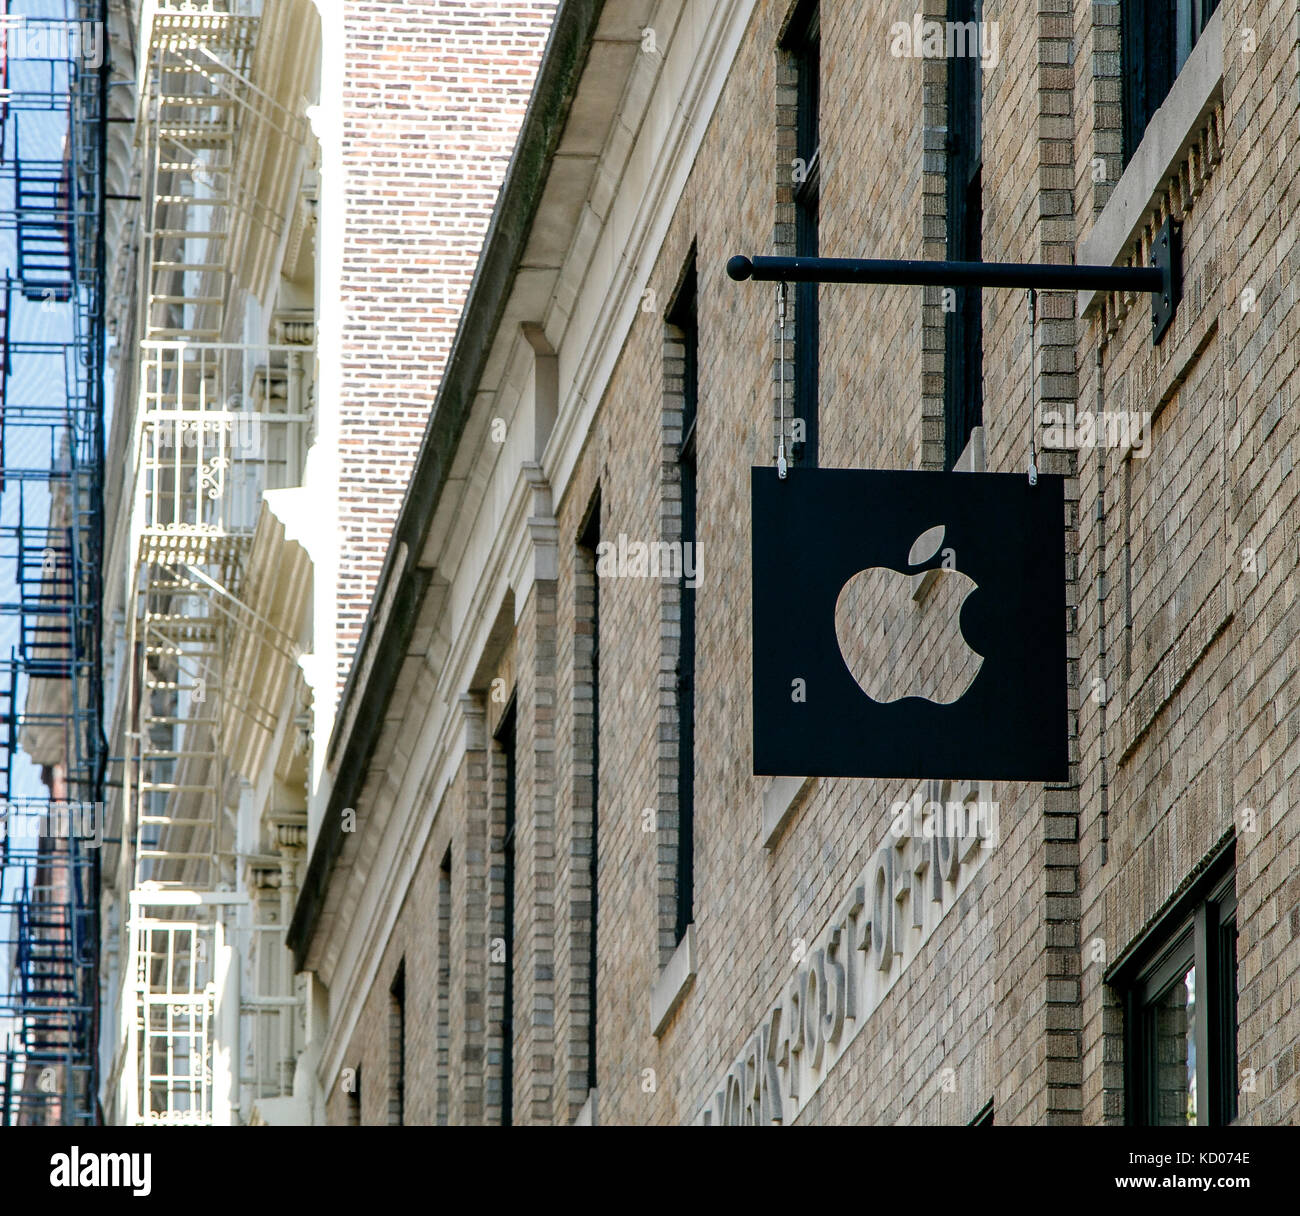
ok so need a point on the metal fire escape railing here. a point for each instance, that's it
(52, 757)
(217, 424)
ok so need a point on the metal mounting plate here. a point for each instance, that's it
(1167, 257)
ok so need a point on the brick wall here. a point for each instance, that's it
(1257, 732)
(433, 97)
(1007, 1000)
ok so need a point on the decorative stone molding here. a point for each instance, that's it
(1178, 155)
(1175, 199)
(289, 829)
(264, 877)
(473, 718)
(295, 331)
(542, 532)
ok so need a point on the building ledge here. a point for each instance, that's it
(673, 982)
(1173, 130)
(402, 581)
(780, 800)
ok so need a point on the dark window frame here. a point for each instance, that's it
(442, 995)
(507, 739)
(1198, 932)
(683, 315)
(1156, 37)
(802, 42)
(963, 360)
(589, 543)
(397, 1031)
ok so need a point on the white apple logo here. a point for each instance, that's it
(895, 650)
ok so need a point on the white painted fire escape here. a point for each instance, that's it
(207, 1006)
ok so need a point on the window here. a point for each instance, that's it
(397, 1048)
(443, 1010)
(683, 316)
(1156, 39)
(1180, 1012)
(505, 738)
(586, 664)
(963, 363)
(803, 44)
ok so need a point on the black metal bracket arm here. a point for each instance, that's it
(1162, 279)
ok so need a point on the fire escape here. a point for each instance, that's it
(207, 1008)
(52, 755)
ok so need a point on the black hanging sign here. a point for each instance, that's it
(863, 668)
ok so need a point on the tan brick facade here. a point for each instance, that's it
(1182, 646)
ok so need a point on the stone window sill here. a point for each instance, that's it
(587, 1116)
(782, 796)
(673, 982)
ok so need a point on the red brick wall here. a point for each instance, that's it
(434, 94)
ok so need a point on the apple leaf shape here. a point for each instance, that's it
(892, 650)
(925, 546)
